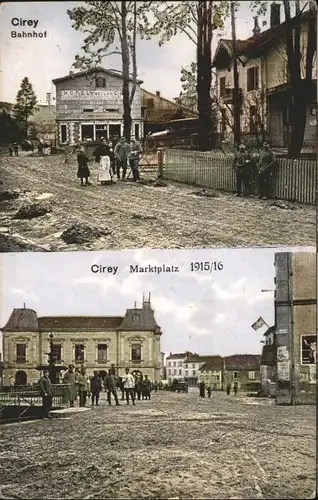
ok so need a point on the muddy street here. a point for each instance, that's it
(131, 215)
(174, 446)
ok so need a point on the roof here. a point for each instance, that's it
(212, 363)
(146, 93)
(242, 362)
(22, 320)
(180, 355)
(255, 44)
(140, 319)
(80, 322)
(99, 69)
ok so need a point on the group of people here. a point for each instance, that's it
(208, 389)
(112, 161)
(80, 387)
(248, 166)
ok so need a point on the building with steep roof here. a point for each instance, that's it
(243, 370)
(265, 88)
(128, 341)
(211, 372)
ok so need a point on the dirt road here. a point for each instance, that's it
(172, 447)
(140, 216)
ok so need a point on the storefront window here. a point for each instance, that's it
(101, 131)
(87, 132)
(114, 130)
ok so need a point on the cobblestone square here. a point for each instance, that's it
(175, 446)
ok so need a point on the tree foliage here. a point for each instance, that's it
(25, 105)
(188, 96)
(113, 25)
(11, 129)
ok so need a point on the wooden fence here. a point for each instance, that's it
(294, 180)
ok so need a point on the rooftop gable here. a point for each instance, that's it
(87, 72)
(242, 362)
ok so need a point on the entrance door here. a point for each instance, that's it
(21, 378)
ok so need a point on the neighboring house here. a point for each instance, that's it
(132, 341)
(265, 91)
(90, 106)
(211, 372)
(243, 369)
(42, 123)
(175, 367)
(296, 327)
(268, 363)
(158, 111)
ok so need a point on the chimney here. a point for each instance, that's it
(157, 93)
(275, 15)
(256, 29)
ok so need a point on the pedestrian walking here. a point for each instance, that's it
(111, 387)
(83, 387)
(83, 170)
(134, 158)
(46, 393)
(202, 389)
(102, 156)
(70, 378)
(241, 165)
(266, 166)
(121, 151)
(235, 388)
(129, 386)
(146, 388)
(209, 390)
(96, 387)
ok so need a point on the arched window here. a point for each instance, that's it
(21, 378)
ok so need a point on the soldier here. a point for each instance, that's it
(146, 388)
(202, 389)
(121, 154)
(46, 393)
(96, 387)
(209, 390)
(70, 378)
(134, 158)
(83, 387)
(266, 165)
(111, 387)
(228, 389)
(235, 388)
(241, 165)
(138, 387)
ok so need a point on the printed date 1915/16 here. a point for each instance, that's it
(209, 267)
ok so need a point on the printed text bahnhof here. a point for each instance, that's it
(32, 23)
(136, 268)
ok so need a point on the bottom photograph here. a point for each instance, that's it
(158, 374)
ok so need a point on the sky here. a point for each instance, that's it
(45, 59)
(202, 312)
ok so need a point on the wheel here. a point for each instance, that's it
(150, 144)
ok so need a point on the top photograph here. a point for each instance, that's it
(145, 124)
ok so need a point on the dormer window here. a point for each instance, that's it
(100, 82)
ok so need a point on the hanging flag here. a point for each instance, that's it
(258, 324)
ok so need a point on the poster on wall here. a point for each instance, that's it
(308, 349)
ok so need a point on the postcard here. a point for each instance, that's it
(158, 359)
(131, 133)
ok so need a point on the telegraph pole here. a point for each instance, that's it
(236, 91)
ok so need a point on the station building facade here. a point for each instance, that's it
(89, 106)
(130, 341)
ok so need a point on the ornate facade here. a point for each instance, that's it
(129, 341)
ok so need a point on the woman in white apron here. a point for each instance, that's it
(102, 156)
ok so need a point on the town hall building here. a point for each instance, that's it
(129, 341)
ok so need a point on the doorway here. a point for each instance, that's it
(21, 378)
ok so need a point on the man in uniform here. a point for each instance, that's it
(134, 158)
(146, 388)
(111, 387)
(242, 161)
(266, 165)
(70, 378)
(121, 154)
(46, 393)
(129, 386)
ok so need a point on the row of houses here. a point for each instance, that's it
(215, 371)
(90, 107)
(264, 83)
